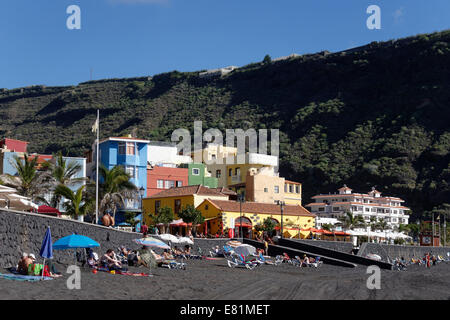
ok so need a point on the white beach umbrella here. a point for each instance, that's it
(168, 237)
(245, 250)
(184, 240)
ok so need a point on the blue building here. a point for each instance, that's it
(131, 154)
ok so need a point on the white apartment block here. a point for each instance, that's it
(372, 204)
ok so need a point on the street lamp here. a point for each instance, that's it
(142, 194)
(241, 200)
(281, 204)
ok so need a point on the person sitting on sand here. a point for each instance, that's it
(92, 261)
(187, 250)
(109, 261)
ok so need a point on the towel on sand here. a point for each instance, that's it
(20, 277)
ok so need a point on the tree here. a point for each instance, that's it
(163, 216)
(190, 214)
(114, 189)
(351, 221)
(77, 203)
(28, 182)
(267, 59)
(60, 172)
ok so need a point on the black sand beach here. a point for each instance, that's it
(212, 279)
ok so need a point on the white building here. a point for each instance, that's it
(217, 72)
(165, 154)
(372, 204)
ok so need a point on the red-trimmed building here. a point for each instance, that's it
(13, 145)
(161, 178)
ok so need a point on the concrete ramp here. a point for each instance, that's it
(279, 250)
(329, 253)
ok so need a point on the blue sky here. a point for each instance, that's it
(128, 38)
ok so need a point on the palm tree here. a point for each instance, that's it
(28, 182)
(351, 221)
(78, 203)
(383, 226)
(61, 172)
(114, 189)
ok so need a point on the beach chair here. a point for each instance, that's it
(172, 264)
(239, 261)
(227, 251)
(298, 261)
(262, 260)
(286, 258)
(317, 263)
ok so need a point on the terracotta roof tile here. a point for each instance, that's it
(257, 207)
(186, 191)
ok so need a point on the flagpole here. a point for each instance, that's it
(96, 171)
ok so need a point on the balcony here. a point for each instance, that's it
(235, 179)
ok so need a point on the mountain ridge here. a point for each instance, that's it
(372, 115)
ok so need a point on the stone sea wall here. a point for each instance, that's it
(390, 252)
(24, 232)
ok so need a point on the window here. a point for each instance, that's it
(122, 148)
(179, 183)
(127, 148)
(196, 171)
(218, 173)
(130, 170)
(230, 172)
(367, 209)
(297, 189)
(131, 148)
(206, 207)
(335, 208)
(321, 209)
(168, 184)
(237, 171)
(157, 205)
(160, 184)
(291, 188)
(266, 190)
(177, 206)
(285, 188)
(276, 189)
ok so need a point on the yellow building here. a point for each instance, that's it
(222, 214)
(178, 198)
(292, 192)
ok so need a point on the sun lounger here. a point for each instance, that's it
(172, 264)
(239, 261)
(262, 260)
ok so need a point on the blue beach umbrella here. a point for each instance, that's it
(152, 242)
(75, 241)
(46, 248)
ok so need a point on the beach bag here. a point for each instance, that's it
(35, 269)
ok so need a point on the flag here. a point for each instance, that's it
(95, 126)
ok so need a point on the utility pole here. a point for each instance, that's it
(432, 229)
(241, 200)
(281, 204)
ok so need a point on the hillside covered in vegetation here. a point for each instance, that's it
(377, 115)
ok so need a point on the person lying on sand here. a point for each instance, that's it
(22, 266)
(167, 255)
